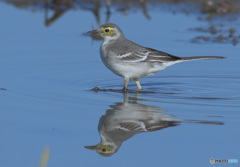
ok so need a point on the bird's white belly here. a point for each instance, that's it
(135, 71)
(127, 69)
(132, 70)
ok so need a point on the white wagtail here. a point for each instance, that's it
(132, 61)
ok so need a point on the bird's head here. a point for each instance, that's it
(103, 149)
(108, 31)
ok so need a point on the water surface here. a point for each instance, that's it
(46, 99)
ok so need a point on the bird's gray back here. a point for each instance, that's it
(123, 46)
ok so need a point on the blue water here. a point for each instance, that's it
(46, 77)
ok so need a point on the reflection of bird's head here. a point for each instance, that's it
(108, 31)
(103, 149)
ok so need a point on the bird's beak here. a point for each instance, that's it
(90, 147)
(93, 31)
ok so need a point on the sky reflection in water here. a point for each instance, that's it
(48, 68)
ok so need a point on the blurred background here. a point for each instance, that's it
(212, 9)
(60, 106)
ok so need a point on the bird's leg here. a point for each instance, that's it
(138, 84)
(125, 99)
(125, 84)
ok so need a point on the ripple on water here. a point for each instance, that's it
(220, 90)
(198, 90)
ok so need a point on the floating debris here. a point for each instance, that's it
(223, 7)
(216, 35)
(234, 41)
(213, 30)
(200, 38)
(231, 32)
(220, 38)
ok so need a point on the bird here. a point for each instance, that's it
(130, 60)
(126, 119)
(123, 120)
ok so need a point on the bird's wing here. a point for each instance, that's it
(131, 125)
(147, 55)
(132, 57)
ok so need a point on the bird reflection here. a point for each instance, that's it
(126, 119)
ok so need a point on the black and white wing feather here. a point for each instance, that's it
(147, 55)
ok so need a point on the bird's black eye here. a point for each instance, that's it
(107, 30)
(104, 150)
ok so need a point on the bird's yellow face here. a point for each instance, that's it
(103, 149)
(107, 32)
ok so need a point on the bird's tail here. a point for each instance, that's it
(200, 57)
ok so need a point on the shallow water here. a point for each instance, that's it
(46, 97)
